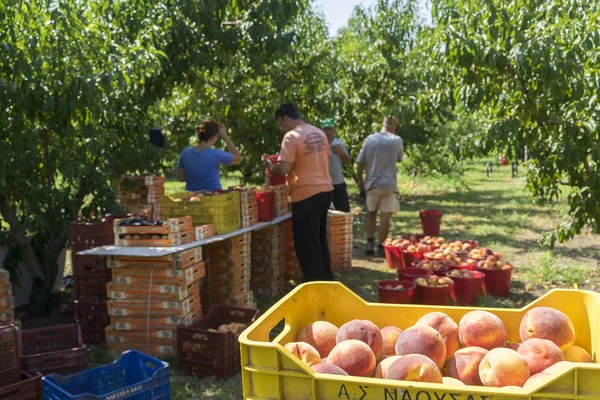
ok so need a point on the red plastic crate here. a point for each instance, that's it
(79, 261)
(29, 387)
(204, 353)
(55, 349)
(10, 372)
(89, 285)
(92, 234)
(95, 336)
(92, 318)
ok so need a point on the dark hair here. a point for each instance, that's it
(288, 110)
(207, 130)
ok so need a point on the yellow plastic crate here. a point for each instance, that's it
(269, 372)
(222, 210)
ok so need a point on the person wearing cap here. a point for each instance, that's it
(378, 157)
(339, 158)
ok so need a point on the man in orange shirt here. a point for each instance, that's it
(304, 159)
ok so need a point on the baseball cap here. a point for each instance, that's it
(328, 123)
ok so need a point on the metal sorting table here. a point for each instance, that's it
(124, 251)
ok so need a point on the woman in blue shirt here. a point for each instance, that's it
(199, 166)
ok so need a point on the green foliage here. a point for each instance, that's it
(530, 69)
(77, 82)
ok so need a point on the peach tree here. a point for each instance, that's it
(78, 83)
(529, 71)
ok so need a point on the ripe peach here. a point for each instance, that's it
(353, 356)
(577, 354)
(383, 366)
(482, 329)
(365, 331)
(305, 352)
(451, 381)
(422, 340)
(548, 323)
(503, 367)
(414, 368)
(321, 335)
(534, 380)
(390, 337)
(540, 354)
(328, 369)
(464, 365)
(446, 327)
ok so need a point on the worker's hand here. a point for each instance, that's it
(268, 164)
(363, 195)
(222, 131)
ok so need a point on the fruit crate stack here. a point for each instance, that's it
(340, 239)
(150, 297)
(210, 347)
(14, 383)
(54, 349)
(228, 265)
(143, 193)
(268, 260)
(7, 300)
(292, 266)
(90, 276)
(248, 205)
(282, 204)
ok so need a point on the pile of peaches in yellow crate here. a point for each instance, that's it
(149, 297)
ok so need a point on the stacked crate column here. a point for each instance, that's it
(228, 264)
(268, 260)
(7, 300)
(143, 194)
(248, 205)
(150, 297)
(340, 239)
(292, 266)
(90, 276)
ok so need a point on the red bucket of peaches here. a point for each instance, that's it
(498, 274)
(400, 253)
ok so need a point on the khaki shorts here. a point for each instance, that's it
(382, 200)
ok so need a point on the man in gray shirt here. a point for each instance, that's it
(378, 156)
(339, 155)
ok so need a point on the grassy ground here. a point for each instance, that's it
(498, 212)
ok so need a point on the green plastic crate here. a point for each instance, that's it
(221, 210)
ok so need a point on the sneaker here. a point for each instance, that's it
(370, 248)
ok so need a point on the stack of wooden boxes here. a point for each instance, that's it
(228, 265)
(7, 300)
(150, 297)
(282, 204)
(248, 205)
(292, 266)
(340, 239)
(143, 194)
(268, 260)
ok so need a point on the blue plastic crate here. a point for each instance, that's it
(133, 376)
